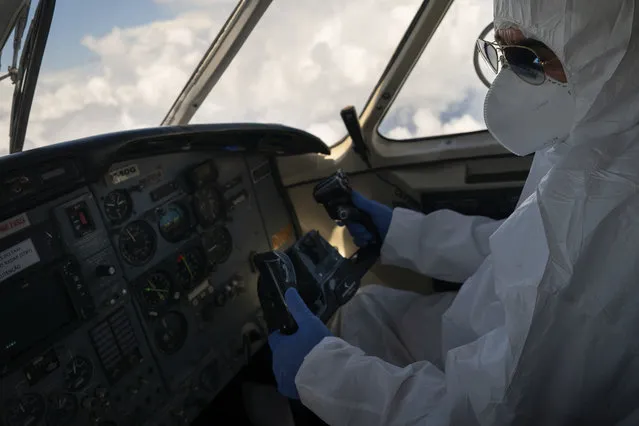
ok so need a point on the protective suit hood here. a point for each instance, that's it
(597, 44)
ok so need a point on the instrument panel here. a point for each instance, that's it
(132, 299)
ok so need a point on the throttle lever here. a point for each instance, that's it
(277, 274)
(335, 194)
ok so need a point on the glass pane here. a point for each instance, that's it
(114, 65)
(443, 94)
(306, 60)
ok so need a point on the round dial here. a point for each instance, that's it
(174, 223)
(170, 333)
(137, 243)
(118, 206)
(191, 268)
(27, 410)
(208, 205)
(218, 244)
(156, 289)
(62, 409)
(78, 373)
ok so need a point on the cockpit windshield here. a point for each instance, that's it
(113, 65)
(122, 64)
(306, 60)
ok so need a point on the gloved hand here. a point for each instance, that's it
(379, 213)
(289, 351)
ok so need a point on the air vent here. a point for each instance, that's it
(116, 345)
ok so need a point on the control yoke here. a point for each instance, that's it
(324, 279)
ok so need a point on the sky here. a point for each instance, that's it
(119, 64)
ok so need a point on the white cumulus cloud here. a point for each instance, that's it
(443, 95)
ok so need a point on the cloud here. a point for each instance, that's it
(443, 95)
(303, 71)
(303, 63)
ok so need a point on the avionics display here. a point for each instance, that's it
(32, 310)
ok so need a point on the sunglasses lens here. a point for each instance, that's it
(526, 64)
(489, 53)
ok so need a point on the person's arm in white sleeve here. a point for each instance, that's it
(443, 244)
(344, 386)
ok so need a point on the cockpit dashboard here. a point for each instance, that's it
(127, 289)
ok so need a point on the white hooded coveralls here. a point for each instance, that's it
(545, 329)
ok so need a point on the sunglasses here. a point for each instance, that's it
(522, 60)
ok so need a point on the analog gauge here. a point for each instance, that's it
(62, 409)
(118, 206)
(78, 373)
(218, 244)
(174, 223)
(170, 333)
(191, 268)
(137, 243)
(27, 410)
(208, 205)
(156, 289)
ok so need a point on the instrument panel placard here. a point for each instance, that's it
(17, 258)
(124, 173)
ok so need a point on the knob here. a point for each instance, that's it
(220, 298)
(238, 285)
(105, 270)
(230, 292)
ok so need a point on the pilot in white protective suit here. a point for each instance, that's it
(545, 330)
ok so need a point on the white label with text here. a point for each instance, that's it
(17, 258)
(124, 173)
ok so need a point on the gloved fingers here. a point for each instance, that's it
(360, 201)
(360, 234)
(296, 305)
(356, 229)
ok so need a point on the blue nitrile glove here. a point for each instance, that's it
(379, 213)
(289, 351)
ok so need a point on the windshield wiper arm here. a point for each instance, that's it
(27, 73)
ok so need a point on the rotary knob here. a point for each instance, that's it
(105, 270)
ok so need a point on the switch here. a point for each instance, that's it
(105, 270)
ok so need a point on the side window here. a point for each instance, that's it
(443, 95)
